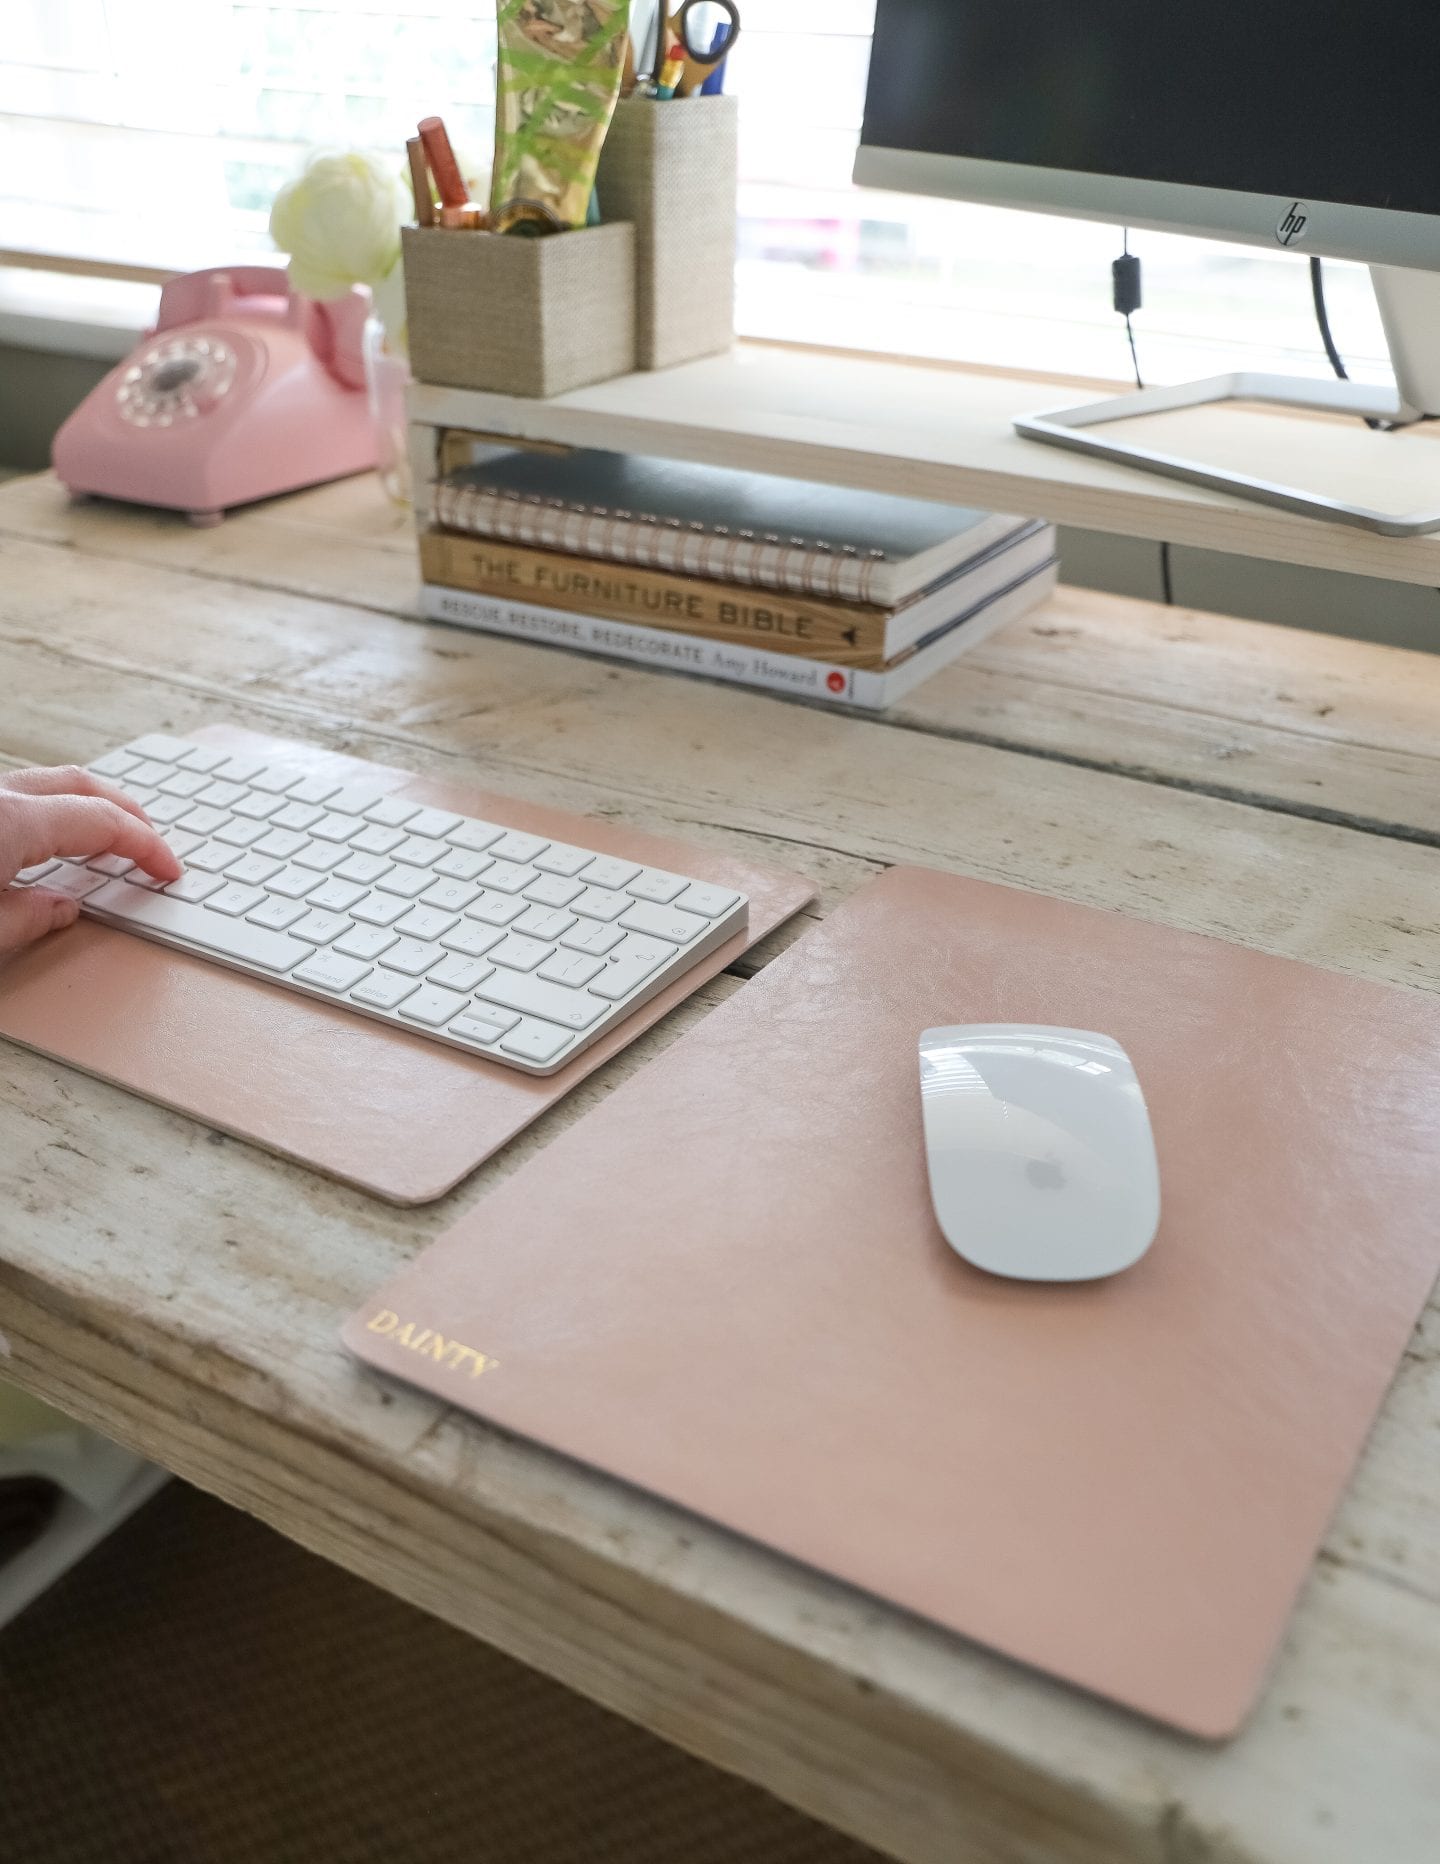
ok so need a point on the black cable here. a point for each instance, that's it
(1337, 362)
(1126, 296)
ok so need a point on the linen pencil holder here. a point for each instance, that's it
(671, 168)
(520, 316)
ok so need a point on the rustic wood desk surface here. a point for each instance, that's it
(183, 1291)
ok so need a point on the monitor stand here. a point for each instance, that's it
(1410, 311)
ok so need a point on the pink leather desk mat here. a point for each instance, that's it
(726, 1285)
(396, 1114)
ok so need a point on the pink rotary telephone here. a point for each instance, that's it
(242, 390)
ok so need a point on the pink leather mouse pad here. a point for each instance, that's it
(727, 1285)
(394, 1113)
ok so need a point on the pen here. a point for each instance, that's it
(714, 85)
(443, 166)
(420, 183)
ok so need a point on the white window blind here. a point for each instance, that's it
(155, 133)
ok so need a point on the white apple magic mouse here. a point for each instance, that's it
(1042, 1163)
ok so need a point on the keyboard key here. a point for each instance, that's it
(277, 913)
(148, 773)
(256, 806)
(484, 1016)
(538, 1042)
(335, 828)
(283, 843)
(470, 940)
(274, 779)
(665, 922)
(560, 858)
(336, 896)
(232, 900)
(629, 965)
(600, 903)
(218, 795)
(425, 922)
(181, 843)
(376, 840)
(159, 744)
(167, 809)
(433, 823)
(212, 857)
(419, 850)
(292, 883)
(460, 864)
(29, 875)
(413, 956)
(203, 757)
(194, 886)
(544, 922)
(139, 793)
(138, 878)
(606, 871)
(408, 882)
(572, 968)
(379, 909)
(366, 868)
(384, 989)
(319, 856)
(364, 942)
(519, 952)
(313, 789)
(532, 996)
(185, 783)
(654, 885)
(328, 971)
(197, 925)
(240, 834)
(355, 797)
(507, 877)
(457, 973)
(431, 1006)
(203, 820)
(391, 812)
(115, 764)
(553, 890)
(450, 895)
(301, 816)
(469, 1028)
(110, 865)
(708, 901)
(240, 769)
(78, 882)
(494, 909)
(320, 928)
(253, 870)
(474, 835)
(513, 846)
(591, 937)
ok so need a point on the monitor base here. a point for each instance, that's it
(1410, 310)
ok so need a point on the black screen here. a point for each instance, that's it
(1335, 100)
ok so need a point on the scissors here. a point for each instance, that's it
(701, 50)
(677, 30)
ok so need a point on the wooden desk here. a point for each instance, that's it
(183, 1292)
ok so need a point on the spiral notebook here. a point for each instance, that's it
(725, 1284)
(745, 527)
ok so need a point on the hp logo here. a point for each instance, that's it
(1293, 225)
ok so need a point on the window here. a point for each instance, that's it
(154, 133)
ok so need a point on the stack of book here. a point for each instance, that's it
(852, 597)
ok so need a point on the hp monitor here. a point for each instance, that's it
(1304, 124)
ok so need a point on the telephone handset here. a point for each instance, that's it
(242, 390)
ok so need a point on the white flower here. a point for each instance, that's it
(340, 224)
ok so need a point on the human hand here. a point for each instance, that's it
(50, 813)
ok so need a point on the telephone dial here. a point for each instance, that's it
(242, 390)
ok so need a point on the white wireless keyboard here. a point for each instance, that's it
(468, 931)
